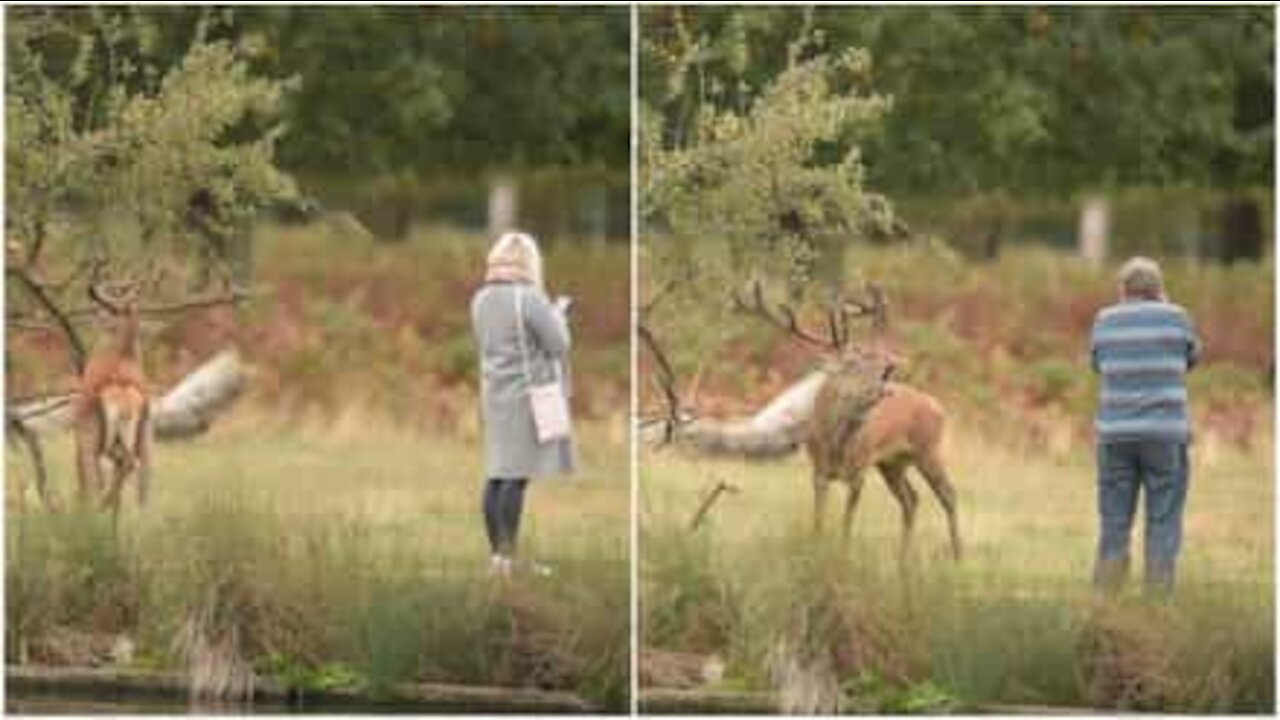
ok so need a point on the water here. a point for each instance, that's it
(42, 704)
(48, 704)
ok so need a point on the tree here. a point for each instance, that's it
(432, 89)
(1001, 104)
(392, 99)
(1029, 99)
(121, 164)
(781, 180)
(115, 161)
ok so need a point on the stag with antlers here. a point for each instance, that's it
(110, 409)
(850, 416)
(112, 413)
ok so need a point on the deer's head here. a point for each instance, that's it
(120, 306)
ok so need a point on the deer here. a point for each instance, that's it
(110, 408)
(887, 425)
(111, 414)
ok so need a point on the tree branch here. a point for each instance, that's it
(236, 296)
(35, 450)
(62, 320)
(721, 488)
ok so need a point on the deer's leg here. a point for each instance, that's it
(88, 442)
(853, 479)
(34, 449)
(934, 472)
(820, 484)
(146, 437)
(111, 498)
(895, 476)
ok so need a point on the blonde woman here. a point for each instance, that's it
(523, 340)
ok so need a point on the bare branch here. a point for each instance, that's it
(233, 297)
(879, 310)
(659, 295)
(665, 378)
(19, 432)
(685, 277)
(26, 323)
(39, 293)
(721, 488)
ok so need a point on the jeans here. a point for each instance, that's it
(1160, 469)
(503, 502)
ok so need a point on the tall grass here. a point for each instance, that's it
(329, 532)
(333, 555)
(831, 625)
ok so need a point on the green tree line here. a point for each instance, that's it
(1030, 100)
(378, 89)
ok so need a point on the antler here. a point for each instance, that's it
(100, 292)
(839, 314)
(97, 288)
(876, 306)
(784, 318)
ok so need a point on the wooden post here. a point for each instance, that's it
(503, 205)
(1094, 229)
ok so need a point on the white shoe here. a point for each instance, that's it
(499, 566)
(540, 569)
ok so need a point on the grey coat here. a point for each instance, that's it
(512, 449)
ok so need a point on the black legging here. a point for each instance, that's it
(503, 501)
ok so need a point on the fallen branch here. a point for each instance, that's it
(668, 701)
(186, 410)
(190, 408)
(721, 488)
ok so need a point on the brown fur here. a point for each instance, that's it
(112, 415)
(902, 430)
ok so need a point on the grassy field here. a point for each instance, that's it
(328, 529)
(1003, 345)
(1015, 623)
(349, 553)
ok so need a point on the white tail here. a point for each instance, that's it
(777, 430)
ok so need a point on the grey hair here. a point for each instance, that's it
(1140, 277)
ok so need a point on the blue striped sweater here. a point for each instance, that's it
(1143, 350)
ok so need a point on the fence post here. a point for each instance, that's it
(1094, 227)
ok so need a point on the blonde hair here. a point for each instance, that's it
(1140, 277)
(515, 256)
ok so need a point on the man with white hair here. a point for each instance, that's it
(1143, 347)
